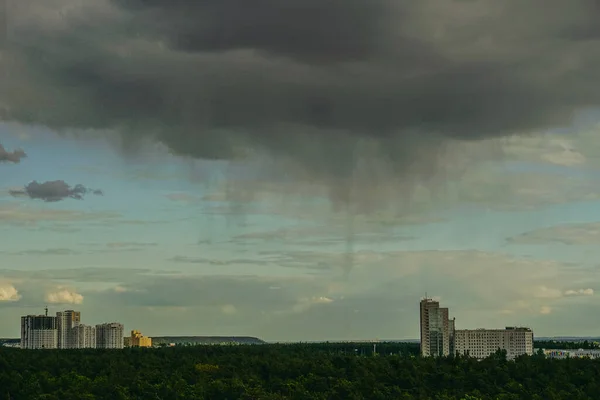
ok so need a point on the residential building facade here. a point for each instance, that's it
(139, 340)
(481, 343)
(83, 336)
(66, 321)
(39, 332)
(435, 329)
(109, 336)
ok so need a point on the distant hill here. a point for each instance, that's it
(158, 340)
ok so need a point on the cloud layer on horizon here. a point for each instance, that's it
(571, 234)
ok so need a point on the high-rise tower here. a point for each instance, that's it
(84, 337)
(109, 336)
(435, 329)
(38, 332)
(66, 321)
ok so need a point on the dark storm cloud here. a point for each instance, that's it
(54, 191)
(321, 87)
(339, 29)
(14, 156)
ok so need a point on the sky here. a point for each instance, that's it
(208, 169)
(164, 251)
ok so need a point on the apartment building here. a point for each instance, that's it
(83, 336)
(481, 343)
(436, 329)
(66, 321)
(109, 336)
(139, 340)
(39, 332)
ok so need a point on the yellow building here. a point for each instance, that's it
(139, 340)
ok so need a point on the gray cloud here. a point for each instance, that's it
(47, 252)
(570, 234)
(183, 197)
(50, 219)
(14, 156)
(54, 191)
(84, 275)
(355, 93)
(215, 262)
(129, 245)
(240, 291)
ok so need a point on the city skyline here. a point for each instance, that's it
(66, 331)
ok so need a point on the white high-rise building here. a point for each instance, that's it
(66, 321)
(39, 332)
(481, 343)
(435, 329)
(83, 336)
(109, 336)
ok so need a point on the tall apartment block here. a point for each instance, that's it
(109, 336)
(481, 343)
(83, 336)
(39, 332)
(435, 329)
(66, 321)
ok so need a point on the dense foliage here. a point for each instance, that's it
(553, 344)
(299, 371)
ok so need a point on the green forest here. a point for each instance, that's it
(343, 371)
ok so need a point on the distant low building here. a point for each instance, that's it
(139, 340)
(562, 354)
(481, 343)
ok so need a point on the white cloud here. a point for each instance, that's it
(228, 309)
(9, 293)
(545, 310)
(64, 296)
(120, 289)
(580, 292)
(306, 303)
(543, 292)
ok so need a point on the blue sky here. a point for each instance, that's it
(164, 251)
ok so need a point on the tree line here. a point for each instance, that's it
(321, 371)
